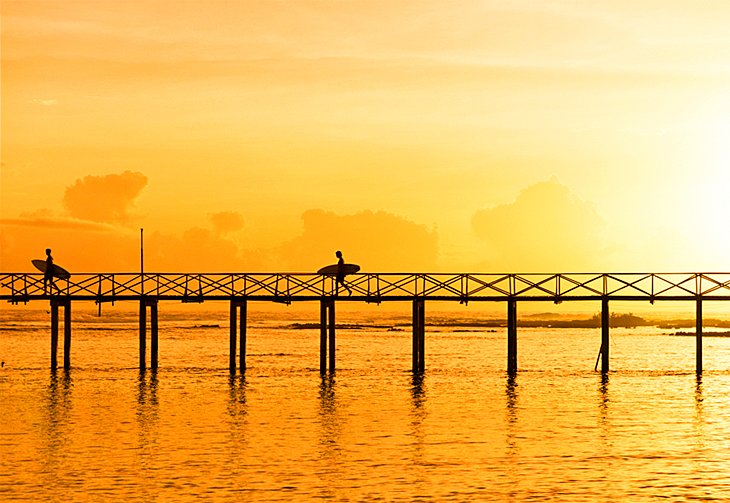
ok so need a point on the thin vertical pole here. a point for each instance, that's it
(511, 335)
(698, 335)
(332, 335)
(605, 331)
(232, 340)
(416, 319)
(67, 334)
(142, 334)
(242, 335)
(422, 336)
(54, 334)
(322, 336)
(153, 335)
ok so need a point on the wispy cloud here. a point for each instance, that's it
(44, 102)
(57, 223)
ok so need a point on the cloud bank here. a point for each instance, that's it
(546, 229)
(378, 241)
(227, 221)
(107, 198)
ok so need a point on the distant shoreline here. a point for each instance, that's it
(704, 334)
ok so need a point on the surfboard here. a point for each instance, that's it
(58, 271)
(334, 269)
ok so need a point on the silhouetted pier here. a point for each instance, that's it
(238, 289)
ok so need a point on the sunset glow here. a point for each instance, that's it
(245, 136)
(365, 250)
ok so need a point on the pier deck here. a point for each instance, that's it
(238, 288)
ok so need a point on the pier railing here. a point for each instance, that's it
(371, 287)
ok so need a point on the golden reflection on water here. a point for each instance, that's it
(147, 419)
(418, 413)
(237, 440)
(57, 425)
(511, 392)
(461, 430)
(699, 415)
(237, 406)
(511, 396)
(330, 430)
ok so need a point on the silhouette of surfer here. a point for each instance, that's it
(341, 274)
(48, 274)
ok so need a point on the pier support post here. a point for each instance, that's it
(67, 334)
(332, 345)
(605, 331)
(153, 334)
(55, 304)
(322, 337)
(242, 334)
(142, 334)
(698, 336)
(511, 336)
(237, 330)
(144, 303)
(54, 334)
(419, 335)
(422, 325)
(232, 339)
(326, 331)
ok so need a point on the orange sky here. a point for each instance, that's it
(508, 136)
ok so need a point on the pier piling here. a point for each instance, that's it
(142, 335)
(419, 336)
(144, 303)
(322, 336)
(54, 334)
(698, 336)
(511, 336)
(605, 331)
(66, 303)
(232, 337)
(67, 334)
(326, 331)
(153, 334)
(331, 327)
(237, 330)
(243, 306)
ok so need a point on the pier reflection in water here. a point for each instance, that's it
(57, 427)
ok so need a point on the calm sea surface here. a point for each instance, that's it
(463, 431)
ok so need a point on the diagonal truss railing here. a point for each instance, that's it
(372, 287)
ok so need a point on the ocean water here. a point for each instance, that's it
(464, 430)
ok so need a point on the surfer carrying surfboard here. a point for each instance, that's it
(341, 274)
(48, 274)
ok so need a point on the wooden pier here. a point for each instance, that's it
(149, 289)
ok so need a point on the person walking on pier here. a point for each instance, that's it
(48, 274)
(341, 274)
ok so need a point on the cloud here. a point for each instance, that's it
(378, 241)
(80, 247)
(199, 250)
(48, 222)
(226, 221)
(77, 246)
(104, 198)
(546, 229)
(44, 102)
